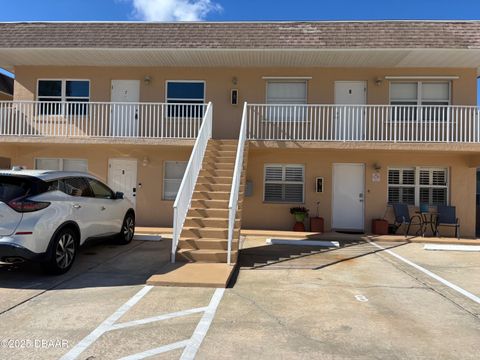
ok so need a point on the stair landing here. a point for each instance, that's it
(216, 275)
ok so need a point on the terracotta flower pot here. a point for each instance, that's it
(299, 226)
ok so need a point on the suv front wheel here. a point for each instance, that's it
(63, 253)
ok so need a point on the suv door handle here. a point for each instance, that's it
(76, 206)
(103, 208)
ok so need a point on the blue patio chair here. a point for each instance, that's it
(446, 216)
(402, 217)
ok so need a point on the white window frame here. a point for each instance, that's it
(163, 179)
(418, 113)
(63, 96)
(185, 81)
(277, 114)
(61, 161)
(417, 186)
(286, 80)
(283, 182)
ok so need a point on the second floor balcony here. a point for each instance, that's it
(265, 122)
(100, 119)
(363, 123)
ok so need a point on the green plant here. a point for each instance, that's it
(299, 209)
(300, 213)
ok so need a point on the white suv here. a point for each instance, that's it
(46, 215)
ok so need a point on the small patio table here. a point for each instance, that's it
(428, 218)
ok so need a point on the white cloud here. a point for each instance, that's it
(174, 10)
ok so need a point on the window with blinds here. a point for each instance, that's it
(401, 186)
(434, 96)
(172, 178)
(290, 93)
(415, 186)
(284, 183)
(80, 165)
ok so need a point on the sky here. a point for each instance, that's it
(231, 10)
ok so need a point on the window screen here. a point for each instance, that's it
(173, 175)
(284, 183)
(80, 165)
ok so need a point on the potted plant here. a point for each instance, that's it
(300, 213)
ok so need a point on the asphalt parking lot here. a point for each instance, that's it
(359, 301)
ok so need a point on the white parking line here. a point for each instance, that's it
(157, 318)
(159, 350)
(191, 345)
(105, 326)
(431, 274)
(202, 327)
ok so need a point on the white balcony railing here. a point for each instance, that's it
(389, 123)
(185, 192)
(100, 119)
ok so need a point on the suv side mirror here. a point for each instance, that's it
(119, 195)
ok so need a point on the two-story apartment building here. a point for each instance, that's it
(377, 112)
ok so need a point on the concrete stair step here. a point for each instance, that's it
(205, 255)
(209, 204)
(210, 213)
(218, 166)
(207, 232)
(212, 187)
(223, 141)
(212, 179)
(214, 275)
(220, 222)
(218, 160)
(229, 152)
(217, 172)
(205, 243)
(211, 195)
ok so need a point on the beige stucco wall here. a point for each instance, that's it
(319, 163)
(151, 209)
(251, 85)
(5, 97)
(5, 163)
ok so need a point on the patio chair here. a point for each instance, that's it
(446, 216)
(402, 217)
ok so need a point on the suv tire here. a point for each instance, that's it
(128, 229)
(63, 252)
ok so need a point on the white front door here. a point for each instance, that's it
(350, 120)
(122, 176)
(124, 116)
(348, 196)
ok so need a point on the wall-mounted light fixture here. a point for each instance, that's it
(377, 166)
(378, 81)
(234, 80)
(147, 80)
(145, 161)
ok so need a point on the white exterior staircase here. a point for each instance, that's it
(204, 237)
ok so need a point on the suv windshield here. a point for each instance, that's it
(14, 187)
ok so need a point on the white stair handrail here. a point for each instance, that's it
(236, 182)
(185, 192)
